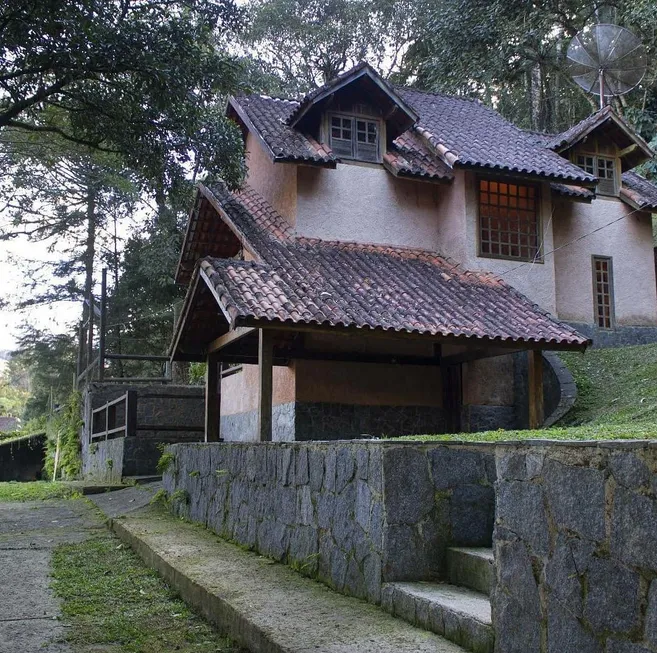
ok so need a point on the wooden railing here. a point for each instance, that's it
(106, 416)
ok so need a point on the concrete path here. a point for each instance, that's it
(28, 533)
(265, 606)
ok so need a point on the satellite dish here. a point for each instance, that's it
(606, 60)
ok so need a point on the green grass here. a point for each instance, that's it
(36, 491)
(616, 400)
(112, 603)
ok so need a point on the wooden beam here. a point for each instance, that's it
(474, 355)
(212, 400)
(265, 384)
(628, 150)
(536, 408)
(355, 357)
(229, 338)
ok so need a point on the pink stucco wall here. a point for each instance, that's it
(239, 391)
(367, 204)
(275, 182)
(628, 242)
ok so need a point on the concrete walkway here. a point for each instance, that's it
(28, 533)
(265, 606)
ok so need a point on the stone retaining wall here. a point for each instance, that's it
(23, 459)
(576, 548)
(160, 409)
(353, 514)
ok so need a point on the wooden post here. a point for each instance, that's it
(212, 399)
(102, 326)
(265, 384)
(131, 413)
(535, 374)
(90, 333)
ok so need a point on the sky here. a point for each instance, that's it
(57, 317)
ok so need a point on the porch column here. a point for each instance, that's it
(265, 383)
(213, 399)
(535, 373)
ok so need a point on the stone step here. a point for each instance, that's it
(459, 614)
(471, 567)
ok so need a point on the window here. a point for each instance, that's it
(508, 220)
(354, 138)
(603, 292)
(603, 168)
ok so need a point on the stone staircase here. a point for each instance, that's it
(459, 609)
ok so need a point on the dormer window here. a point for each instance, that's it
(355, 137)
(602, 167)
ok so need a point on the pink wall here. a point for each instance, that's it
(277, 183)
(629, 243)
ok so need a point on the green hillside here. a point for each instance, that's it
(617, 399)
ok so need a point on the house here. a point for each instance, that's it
(397, 262)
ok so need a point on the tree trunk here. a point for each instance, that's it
(89, 256)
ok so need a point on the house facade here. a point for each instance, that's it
(402, 258)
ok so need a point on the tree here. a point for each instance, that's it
(142, 78)
(302, 44)
(512, 54)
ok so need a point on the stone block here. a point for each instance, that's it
(301, 474)
(629, 469)
(651, 615)
(375, 478)
(329, 470)
(516, 631)
(372, 576)
(339, 564)
(354, 582)
(344, 523)
(362, 463)
(612, 600)
(285, 508)
(404, 606)
(325, 504)
(576, 498)
(623, 646)
(566, 633)
(511, 466)
(316, 469)
(563, 576)
(634, 529)
(363, 505)
(515, 576)
(472, 510)
(521, 510)
(408, 487)
(285, 466)
(453, 467)
(304, 545)
(387, 596)
(377, 519)
(345, 467)
(305, 514)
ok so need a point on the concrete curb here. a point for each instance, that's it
(215, 609)
(264, 606)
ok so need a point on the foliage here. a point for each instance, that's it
(50, 363)
(36, 491)
(64, 428)
(13, 399)
(110, 599)
(303, 44)
(142, 78)
(167, 459)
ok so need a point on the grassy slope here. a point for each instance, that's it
(617, 399)
(113, 603)
(36, 491)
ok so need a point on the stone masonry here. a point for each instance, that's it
(352, 514)
(576, 548)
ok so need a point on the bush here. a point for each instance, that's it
(64, 427)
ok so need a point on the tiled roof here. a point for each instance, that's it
(450, 132)
(337, 284)
(468, 133)
(641, 192)
(573, 191)
(267, 116)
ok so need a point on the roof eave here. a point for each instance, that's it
(330, 89)
(509, 172)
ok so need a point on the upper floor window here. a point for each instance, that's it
(602, 167)
(353, 137)
(509, 221)
(603, 294)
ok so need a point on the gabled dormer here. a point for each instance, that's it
(605, 146)
(357, 116)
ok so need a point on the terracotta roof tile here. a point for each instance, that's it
(314, 282)
(639, 191)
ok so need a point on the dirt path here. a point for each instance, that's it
(29, 532)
